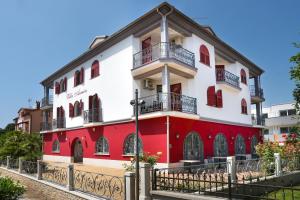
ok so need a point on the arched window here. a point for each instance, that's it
(77, 109)
(220, 146)
(239, 146)
(95, 69)
(193, 147)
(243, 76)
(102, 146)
(204, 55)
(78, 77)
(56, 146)
(254, 142)
(244, 106)
(129, 145)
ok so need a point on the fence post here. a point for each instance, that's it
(129, 186)
(229, 187)
(39, 170)
(70, 174)
(20, 165)
(278, 171)
(8, 162)
(145, 181)
(231, 167)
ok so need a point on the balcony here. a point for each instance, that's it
(47, 102)
(59, 123)
(92, 116)
(225, 77)
(177, 102)
(46, 126)
(256, 95)
(291, 120)
(179, 59)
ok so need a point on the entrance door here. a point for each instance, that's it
(78, 152)
(146, 50)
(176, 103)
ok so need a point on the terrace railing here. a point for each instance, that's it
(92, 115)
(163, 51)
(46, 126)
(168, 102)
(47, 101)
(259, 92)
(58, 123)
(227, 77)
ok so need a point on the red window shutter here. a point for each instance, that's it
(211, 96)
(81, 106)
(57, 112)
(90, 102)
(71, 110)
(219, 99)
(98, 69)
(81, 75)
(56, 88)
(62, 111)
(204, 55)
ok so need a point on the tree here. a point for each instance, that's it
(10, 127)
(295, 75)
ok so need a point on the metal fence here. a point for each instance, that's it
(29, 168)
(290, 163)
(227, 77)
(13, 164)
(101, 185)
(54, 174)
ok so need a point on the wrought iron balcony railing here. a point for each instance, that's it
(59, 123)
(46, 126)
(227, 77)
(168, 102)
(256, 93)
(92, 115)
(47, 101)
(163, 51)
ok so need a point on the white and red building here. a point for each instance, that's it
(196, 91)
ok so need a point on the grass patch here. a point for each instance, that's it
(285, 194)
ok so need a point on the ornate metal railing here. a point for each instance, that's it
(92, 115)
(54, 174)
(46, 126)
(168, 102)
(3, 162)
(227, 77)
(29, 167)
(163, 51)
(101, 185)
(59, 123)
(255, 168)
(13, 163)
(290, 163)
(47, 101)
(259, 92)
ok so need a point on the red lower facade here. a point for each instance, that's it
(154, 135)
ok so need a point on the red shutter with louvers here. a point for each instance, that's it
(211, 96)
(90, 102)
(71, 110)
(219, 99)
(81, 75)
(56, 88)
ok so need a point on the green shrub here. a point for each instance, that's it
(9, 190)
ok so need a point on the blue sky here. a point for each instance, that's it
(38, 37)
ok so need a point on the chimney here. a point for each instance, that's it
(38, 105)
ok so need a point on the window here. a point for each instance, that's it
(219, 99)
(76, 109)
(204, 55)
(243, 76)
(78, 77)
(254, 142)
(56, 146)
(211, 96)
(102, 146)
(220, 146)
(193, 147)
(129, 145)
(292, 112)
(57, 88)
(266, 131)
(283, 113)
(284, 130)
(95, 69)
(239, 146)
(244, 106)
(61, 86)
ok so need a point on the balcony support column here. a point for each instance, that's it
(258, 113)
(256, 85)
(166, 87)
(46, 93)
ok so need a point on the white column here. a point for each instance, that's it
(20, 165)
(231, 168)
(129, 186)
(165, 80)
(278, 171)
(145, 181)
(39, 170)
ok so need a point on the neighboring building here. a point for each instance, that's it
(279, 119)
(196, 89)
(29, 119)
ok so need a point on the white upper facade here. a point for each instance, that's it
(180, 82)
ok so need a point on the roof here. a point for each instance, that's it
(149, 20)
